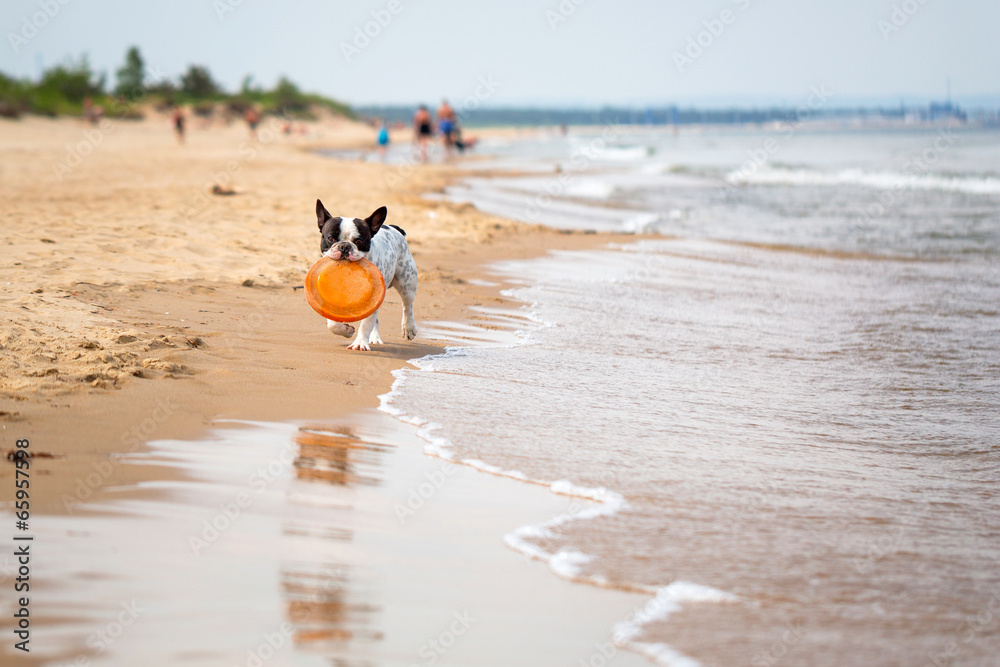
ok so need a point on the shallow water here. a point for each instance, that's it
(317, 544)
(791, 404)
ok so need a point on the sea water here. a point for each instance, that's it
(786, 393)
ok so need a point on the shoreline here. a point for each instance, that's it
(133, 357)
(140, 358)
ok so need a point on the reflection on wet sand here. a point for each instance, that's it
(318, 593)
(251, 564)
(336, 457)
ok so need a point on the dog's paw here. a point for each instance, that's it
(409, 331)
(340, 328)
(359, 345)
(376, 340)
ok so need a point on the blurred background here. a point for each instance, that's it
(645, 55)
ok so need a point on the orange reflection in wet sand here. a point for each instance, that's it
(318, 595)
(336, 456)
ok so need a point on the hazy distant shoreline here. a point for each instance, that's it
(936, 114)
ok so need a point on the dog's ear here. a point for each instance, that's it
(322, 215)
(376, 219)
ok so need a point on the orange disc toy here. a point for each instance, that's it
(344, 291)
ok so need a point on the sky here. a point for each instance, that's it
(535, 52)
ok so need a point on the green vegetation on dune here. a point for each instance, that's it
(69, 88)
(61, 90)
(287, 97)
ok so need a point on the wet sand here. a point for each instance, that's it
(348, 545)
(139, 307)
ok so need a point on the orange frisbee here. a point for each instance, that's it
(344, 291)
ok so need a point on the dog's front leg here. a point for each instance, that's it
(365, 329)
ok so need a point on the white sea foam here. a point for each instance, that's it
(656, 168)
(662, 654)
(567, 562)
(625, 153)
(642, 223)
(590, 189)
(667, 600)
(881, 180)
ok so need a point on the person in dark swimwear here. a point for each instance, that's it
(178, 119)
(252, 117)
(422, 130)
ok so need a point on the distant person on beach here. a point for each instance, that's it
(92, 114)
(252, 117)
(382, 138)
(178, 120)
(447, 127)
(461, 142)
(422, 130)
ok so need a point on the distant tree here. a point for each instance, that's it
(74, 80)
(162, 87)
(14, 96)
(288, 97)
(197, 82)
(132, 74)
(246, 86)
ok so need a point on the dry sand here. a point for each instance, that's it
(137, 305)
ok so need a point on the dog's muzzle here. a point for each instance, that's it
(344, 250)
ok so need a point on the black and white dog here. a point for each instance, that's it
(384, 246)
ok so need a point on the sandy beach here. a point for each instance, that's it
(137, 306)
